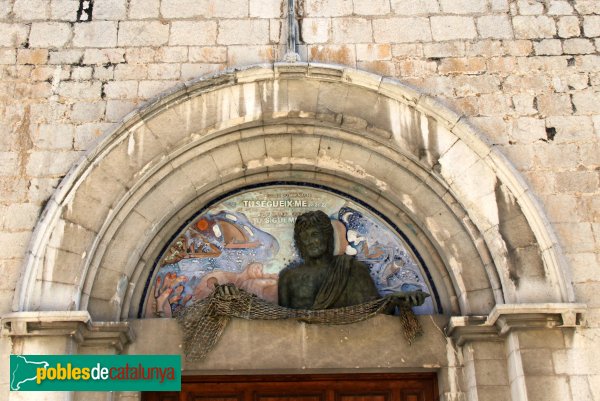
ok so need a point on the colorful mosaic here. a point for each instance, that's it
(248, 238)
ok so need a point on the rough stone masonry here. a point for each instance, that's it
(525, 72)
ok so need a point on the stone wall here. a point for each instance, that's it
(526, 72)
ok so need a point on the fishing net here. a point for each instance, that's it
(204, 321)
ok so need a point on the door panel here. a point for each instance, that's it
(339, 387)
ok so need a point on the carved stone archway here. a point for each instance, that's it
(410, 156)
(490, 249)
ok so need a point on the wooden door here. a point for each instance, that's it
(339, 387)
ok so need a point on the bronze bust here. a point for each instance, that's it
(323, 280)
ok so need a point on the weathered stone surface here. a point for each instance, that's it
(463, 6)
(232, 32)
(578, 46)
(534, 27)
(415, 7)
(266, 8)
(64, 10)
(28, 10)
(374, 7)
(104, 56)
(13, 35)
(182, 8)
(496, 27)
(352, 30)
(333, 8)
(193, 33)
(568, 27)
(401, 30)
(110, 10)
(451, 28)
(591, 26)
(49, 34)
(95, 34)
(316, 30)
(524, 72)
(548, 47)
(142, 33)
(143, 9)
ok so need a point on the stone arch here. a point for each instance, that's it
(488, 241)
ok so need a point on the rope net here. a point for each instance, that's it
(204, 321)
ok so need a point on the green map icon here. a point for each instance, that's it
(23, 370)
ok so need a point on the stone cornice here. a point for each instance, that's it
(75, 324)
(505, 318)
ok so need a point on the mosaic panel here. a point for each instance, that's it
(247, 239)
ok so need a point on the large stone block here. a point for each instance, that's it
(451, 28)
(144, 9)
(548, 47)
(182, 8)
(463, 6)
(172, 54)
(496, 27)
(399, 30)
(568, 27)
(212, 54)
(544, 388)
(534, 27)
(121, 89)
(117, 109)
(591, 26)
(587, 7)
(415, 7)
(581, 388)
(124, 73)
(32, 56)
(560, 7)
(193, 33)
(586, 102)
(530, 7)
(95, 34)
(64, 10)
(225, 9)
(150, 89)
(49, 34)
(48, 163)
(554, 105)
(20, 216)
(578, 46)
(267, 8)
(140, 55)
(72, 56)
(445, 49)
(28, 10)
(373, 52)
(337, 54)
(54, 136)
(352, 30)
(164, 71)
(194, 71)
(240, 32)
(143, 33)
(13, 245)
(110, 10)
(13, 35)
(473, 65)
(334, 8)
(86, 135)
(373, 7)
(8, 56)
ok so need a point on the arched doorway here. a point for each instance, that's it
(412, 159)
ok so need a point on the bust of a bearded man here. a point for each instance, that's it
(324, 280)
